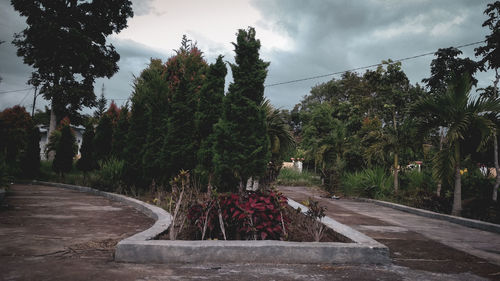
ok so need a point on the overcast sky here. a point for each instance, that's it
(300, 38)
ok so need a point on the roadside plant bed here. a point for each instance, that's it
(246, 215)
(299, 229)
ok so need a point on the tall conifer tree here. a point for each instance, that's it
(103, 138)
(185, 73)
(137, 136)
(242, 144)
(120, 133)
(65, 150)
(207, 115)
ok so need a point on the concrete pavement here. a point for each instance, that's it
(415, 241)
(49, 233)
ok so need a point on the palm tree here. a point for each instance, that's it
(457, 113)
(280, 137)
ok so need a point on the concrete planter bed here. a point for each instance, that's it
(142, 248)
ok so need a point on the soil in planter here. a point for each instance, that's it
(298, 230)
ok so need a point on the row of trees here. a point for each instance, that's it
(180, 119)
(381, 119)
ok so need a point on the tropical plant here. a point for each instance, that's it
(372, 182)
(458, 113)
(490, 56)
(280, 137)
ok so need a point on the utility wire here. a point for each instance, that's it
(365, 67)
(20, 90)
(25, 96)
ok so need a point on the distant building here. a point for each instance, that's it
(44, 139)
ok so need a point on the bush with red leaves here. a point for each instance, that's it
(249, 216)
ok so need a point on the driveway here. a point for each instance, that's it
(49, 233)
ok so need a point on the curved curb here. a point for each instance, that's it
(140, 248)
(491, 227)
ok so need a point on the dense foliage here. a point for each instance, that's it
(65, 42)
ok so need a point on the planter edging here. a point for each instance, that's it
(141, 248)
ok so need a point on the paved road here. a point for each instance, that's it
(415, 241)
(49, 233)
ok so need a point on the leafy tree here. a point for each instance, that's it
(103, 138)
(185, 73)
(66, 149)
(446, 66)
(87, 161)
(65, 42)
(15, 125)
(393, 94)
(491, 57)
(242, 145)
(455, 111)
(325, 138)
(208, 113)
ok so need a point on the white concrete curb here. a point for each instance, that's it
(141, 248)
(491, 227)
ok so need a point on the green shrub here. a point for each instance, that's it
(415, 180)
(372, 183)
(109, 177)
(293, 177)
(5, 178)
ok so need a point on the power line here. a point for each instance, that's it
(20, 90)
(25, 96)
(364, 67)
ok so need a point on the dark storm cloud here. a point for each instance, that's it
(331, 36)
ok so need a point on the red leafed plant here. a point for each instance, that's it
(251, 215)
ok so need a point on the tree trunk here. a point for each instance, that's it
(34, 103)
(440, 182)
(497, 168)
(495, 143)
(457, 193)
(396, 158)
(396, 171)
(52, 128)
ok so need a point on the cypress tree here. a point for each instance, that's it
(207, 115)
(241, 140)
(65, 150)
(156, 112)
(87, 160)
(103, 138)
(138, 132)
(30, 162)
(120, 133)
(185, 74)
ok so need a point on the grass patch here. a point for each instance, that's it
(293, 177)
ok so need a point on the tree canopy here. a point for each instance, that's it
(65, 42)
